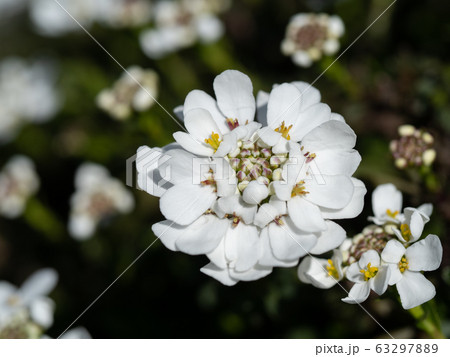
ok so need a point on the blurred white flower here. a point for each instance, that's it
(31, 297)
(123, 13)
(27, 94)
(18, 181)
(309, 36)
(253, 198)
(126, 95)
(98, 196)
(179, 24)
(406, 265)
(387, 203)
(11, 7)
(76, 333)
(367, 274)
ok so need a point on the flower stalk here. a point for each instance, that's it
(427, 319)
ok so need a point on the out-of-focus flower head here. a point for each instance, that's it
(28, 306)
(310, 36)
(414, 148)
(180, 23)
(254, 197)
(27, 94)
(127, 95)
(53, 19)
(98, 196)
(18, 181)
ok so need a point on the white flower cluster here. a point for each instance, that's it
(27, 311)
(309, 36)
(136, 90)
(53, 19)
(98, 196)
(27, 94)
(391, 252)
(181, 23)
(18, 181)
(254, 195)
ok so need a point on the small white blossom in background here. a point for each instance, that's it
(18, 182)
(178, 24)
(28, 310)
(396, 237)
(27, 94)
(98, 196)
(254, 195)
(309, 36)
(10, 8)
(127, 95)
(76, 333)
(51, 19)
(414, 148)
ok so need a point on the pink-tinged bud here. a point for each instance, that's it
(234, 163)
(267, 172)
(254, 173)
(246, 164)
(275, 160)
(255, 153)
(245, 153)
(241, 176)
(266, 152)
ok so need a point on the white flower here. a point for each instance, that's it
(123, 13)
(32, 296)
(179, 24)
(27, 93)
(367, 274)
(18, 181)
(411, 225)
(252, 199)
(322, 273)
(406, 265)
(387, 204)
(97, 197)
(127, 95)
(309, 36)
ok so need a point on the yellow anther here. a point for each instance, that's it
(403, 265)
(331, 269)
(406, 232)
(284, 130)
(370, 272)
(391, 214)
(214, 141)
(299, 189)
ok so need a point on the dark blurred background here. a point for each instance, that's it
(397, 73)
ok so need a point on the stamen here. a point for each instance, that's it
(406, 232)
(403, 265)
(284, 130)
(331, 269)
(370, 272)
(232, 123)
(391, 214)
(214, 141)
(299, 189)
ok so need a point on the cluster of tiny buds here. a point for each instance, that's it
(254, 162)
(372, 237)
(413, 148)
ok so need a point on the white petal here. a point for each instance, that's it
(372, 257)
(354, 274)
(217, 256)
(302, 59)
(414, 289)
(267, 257)
(234, 93)
(77, 333)
(379, 283)
(334, 192)
(386, 197)
(268, 212)
(313, 271)
(426, 209)
(243, 242)
(310, 95)
(285, 103)
(41, 312)
(40, 283)
(219, 274)
(255, 192)
(236, 205)
(183, 204)
(329, 239)
(209, 28)
(200, 124)
(283, 190)
(269, 136)
(393, 252)
(190, 144)
(6, 290)
(198, 99)
(396, 274)
(306, 215)
(425, 255)
(81, 227)
(336, 26)
(288, 242)
(337, 162)
(255, 273)
(310, 119)
(358, 293)
(178, 111)
(330, 46)
(416, 223)
(354, 208)
(332, 134)
(168, 232)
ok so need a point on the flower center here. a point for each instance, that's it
(331, 269)
(406, 232)
(284, 130)
(13, 300)
(214, 141)
(232, 123)
(209, 181)
(310, 35)
(370, 272)
(391, 214)
(299, 189)
(403, 265)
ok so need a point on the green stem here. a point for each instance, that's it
(427, 319)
